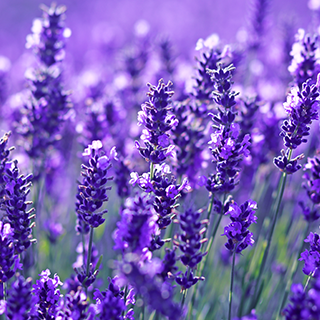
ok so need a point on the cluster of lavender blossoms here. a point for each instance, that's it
(153, 197)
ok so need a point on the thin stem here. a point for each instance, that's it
(292, 274)
(281, 187)
(184, 294)
(231, 283)
(151, 170)
(89, 255)
(308, 280)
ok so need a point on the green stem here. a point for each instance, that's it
(89, 255)
(280, 192)
(292, 274)
(151, 170)
(308, 280)
(231, 284)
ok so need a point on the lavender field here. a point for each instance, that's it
(160, 160)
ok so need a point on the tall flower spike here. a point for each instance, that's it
(92, 192)
(9, 261)
(311, 257)
(46, 289)
(158, 121)
(237, 232)
(135, 231)
(48, 105)
(227, 146)
(20, 301)
(15, 204)
(305, 58)
(191, 238)
(156, 294)
(302, 107)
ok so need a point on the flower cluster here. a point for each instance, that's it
(15, 204)
(9, 261)
(302, 107)
(46, 289)
(237, 232)
(166, 193)
(311, 257)
(157, 120)
(305, 53)
(156, 294)
(20, 302)
(4, 162)
(227, 148)
(73, 306)
(191, 238)
(312, 184)
(92, 190)
(304, 305)
(137, 226)
(48, 105)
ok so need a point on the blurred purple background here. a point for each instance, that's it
(98, 22)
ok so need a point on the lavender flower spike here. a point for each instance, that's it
(237, 232)
(157, 120)
(92, 192)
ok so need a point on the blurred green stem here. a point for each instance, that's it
(231, 283)
(89, 255)
(293, 272)
(280, 191)
(151, 170)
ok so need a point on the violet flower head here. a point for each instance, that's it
(20, 301)
(227, 146)
(237, 232)
(4, 162)
(137, 226)
(73, 306)
(158, 121)
(187, 280)
(48, 105)
(46, 289)
(302, 107)
(311, 257)
(312, 177)
(15, 204)
(92, 192)
(304, 305)
(305, 58)
(191, 239)
(9, 261)
(156, 294)
(49, 32)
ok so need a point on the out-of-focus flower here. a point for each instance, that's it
(237, 232)
(20, 302)
(311, 257)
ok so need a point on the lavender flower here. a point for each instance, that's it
(311, 257)
(304, 305)
(46, 289)
(239, 237)
(48, 105)
(9, 261)
(15, 204)
(156, 294)
(73, 306)
(302, 107)
(187, 280)
(20, 302)
(92, 191)
(190, 240)
(137, 227)
(228, 149)
(157, 120)
(305, 63)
